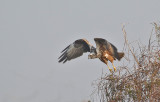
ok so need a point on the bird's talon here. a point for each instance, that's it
(110, 69)
(115, 69)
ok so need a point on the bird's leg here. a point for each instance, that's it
(103, 59)
(114, 67)
(109, 68)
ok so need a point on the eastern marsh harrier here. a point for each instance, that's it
(104, 51)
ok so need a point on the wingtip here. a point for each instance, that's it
(62, 58)
(98, 39)
(95, 39)
(65, 49)
(121, 55)
(62, 55)
(63, 61)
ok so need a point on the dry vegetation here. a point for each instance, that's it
(139, 82)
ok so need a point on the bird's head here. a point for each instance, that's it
(93, 53)
(92, 49)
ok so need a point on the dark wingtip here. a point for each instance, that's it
(65, 48)
(95, 39)
(65, 61)
(63, 57)
(62, 60)
(120, 55)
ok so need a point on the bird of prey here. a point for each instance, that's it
(104, 51)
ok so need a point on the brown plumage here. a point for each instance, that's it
(107, 51)
(104, 51)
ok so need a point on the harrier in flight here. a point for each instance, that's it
(104, 51)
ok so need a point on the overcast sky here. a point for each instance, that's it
(34, 32)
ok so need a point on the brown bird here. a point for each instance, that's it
(104, 51)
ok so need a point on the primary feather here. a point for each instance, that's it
(75, 50)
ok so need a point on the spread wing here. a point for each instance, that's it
(75, 50)
(107, 46)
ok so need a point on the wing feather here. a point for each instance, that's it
(65, 49)
(74, 50)
(115, 54)
(108, 46)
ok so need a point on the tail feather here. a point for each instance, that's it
(120, 54)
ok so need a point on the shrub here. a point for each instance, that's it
(139, 82)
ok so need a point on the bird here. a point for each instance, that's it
(104, 51)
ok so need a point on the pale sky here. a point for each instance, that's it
(34, 32)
